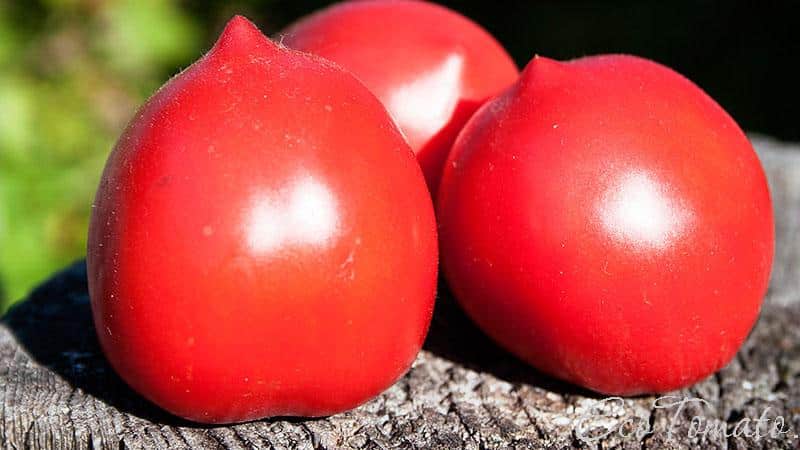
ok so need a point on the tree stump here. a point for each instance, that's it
(58, 391)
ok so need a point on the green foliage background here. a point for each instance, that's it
(72, 72)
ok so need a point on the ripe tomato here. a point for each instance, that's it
(430, 66)
(607, 222)
(253, 253)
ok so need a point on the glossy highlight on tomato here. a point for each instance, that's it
(606, 221)
(430, 66)
(251, 252)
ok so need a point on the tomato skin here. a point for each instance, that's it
(253, 254)
(607, 222)
(430, 66)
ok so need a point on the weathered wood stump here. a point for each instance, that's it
(57, 390)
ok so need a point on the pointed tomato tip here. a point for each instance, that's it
(540, 69)
(541, 64)
(240, 23)
(241, 33)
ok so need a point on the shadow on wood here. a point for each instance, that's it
(453, 336)
(55, 327)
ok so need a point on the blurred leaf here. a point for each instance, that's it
(142, 35)
(72, 73)
(16, 117)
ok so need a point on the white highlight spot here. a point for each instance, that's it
(429, 101)
(304, 213)
(636, 209)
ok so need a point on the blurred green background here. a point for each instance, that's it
(72, 73)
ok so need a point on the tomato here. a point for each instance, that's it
(430, 66)
(606, 221)
(251, 252)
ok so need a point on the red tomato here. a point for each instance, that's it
(430, 66)
(607, 222)
(254, 253)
